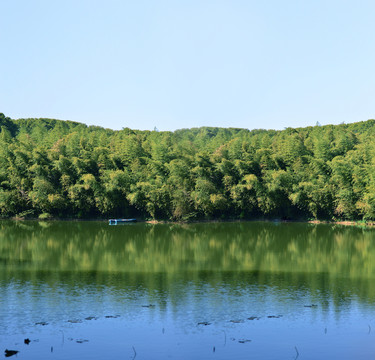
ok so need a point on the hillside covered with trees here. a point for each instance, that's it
(54, 168)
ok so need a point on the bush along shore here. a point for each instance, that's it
(63, 169)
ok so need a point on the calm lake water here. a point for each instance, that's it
(249, 290)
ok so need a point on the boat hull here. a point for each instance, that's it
(121, 221)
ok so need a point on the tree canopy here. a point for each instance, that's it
(67, 169)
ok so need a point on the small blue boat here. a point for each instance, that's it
(121, 221)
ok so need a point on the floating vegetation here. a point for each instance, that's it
(225, 337)
(75, 321)
(9, 353)
(296, 352)
(243, 341)
(274, 316)
(42, 323)
(253, 318)
(81, 341)
(205, 323)
(236, 321)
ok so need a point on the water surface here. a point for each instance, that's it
(86, 290)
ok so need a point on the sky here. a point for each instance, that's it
(188, 63)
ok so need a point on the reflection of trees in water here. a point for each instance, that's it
(297, 254)
(177, 291)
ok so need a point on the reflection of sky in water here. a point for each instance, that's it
(333, 329)
(222, 274)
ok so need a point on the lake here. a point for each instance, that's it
(242, 290)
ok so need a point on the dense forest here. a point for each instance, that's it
(54, 168)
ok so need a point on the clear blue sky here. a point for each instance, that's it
(188, 63)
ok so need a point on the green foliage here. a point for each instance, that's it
(53, 168)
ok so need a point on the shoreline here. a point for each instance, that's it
(155, 222)
(344, 222)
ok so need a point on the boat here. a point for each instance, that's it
(121, 221)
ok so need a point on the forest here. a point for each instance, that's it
(64, 169)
